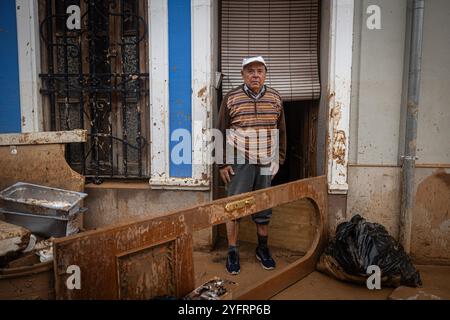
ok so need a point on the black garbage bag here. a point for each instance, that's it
(359, 244)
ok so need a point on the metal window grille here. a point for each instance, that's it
(96, 78)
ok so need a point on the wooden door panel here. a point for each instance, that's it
(96, 252)
(153, 271)
(117, 261)
(147, 273)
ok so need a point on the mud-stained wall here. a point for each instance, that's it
(375, 115)
(375, 194)
(377, 125)
(111, 203)
(431, 217)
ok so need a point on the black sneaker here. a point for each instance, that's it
(264, 256)
(233, 265)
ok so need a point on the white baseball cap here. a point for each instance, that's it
(249, 60)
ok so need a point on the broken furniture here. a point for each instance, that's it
(36, 158)
(13, 239)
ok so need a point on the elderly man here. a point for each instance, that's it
(248, 117)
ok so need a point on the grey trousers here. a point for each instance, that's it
(248, 177)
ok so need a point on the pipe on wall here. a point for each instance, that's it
(412, 110)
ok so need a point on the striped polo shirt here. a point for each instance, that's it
(254, 126)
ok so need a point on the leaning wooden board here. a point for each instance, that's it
(145, 258)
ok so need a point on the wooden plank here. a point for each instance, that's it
(184, 266)
(286, 277)
(282, 279)
(95, 252)
(16, 139)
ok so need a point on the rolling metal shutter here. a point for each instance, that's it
(284, 32)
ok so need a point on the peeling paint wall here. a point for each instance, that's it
(379, 84)
(339, 93)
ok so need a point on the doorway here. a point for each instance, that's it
(301, 128)
(287, 34)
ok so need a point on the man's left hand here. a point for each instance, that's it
(274, 167)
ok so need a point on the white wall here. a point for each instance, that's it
(377, 84)
(375, 117)
(433, 133)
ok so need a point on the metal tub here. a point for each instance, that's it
(45, 226)
(41, 200)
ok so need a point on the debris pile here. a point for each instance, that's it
(31, 216)
(214, 289)
(19, 248)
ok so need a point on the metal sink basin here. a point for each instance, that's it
(36, 199)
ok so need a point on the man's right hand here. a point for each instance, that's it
(226, 173)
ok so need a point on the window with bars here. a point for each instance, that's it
(96, 78)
